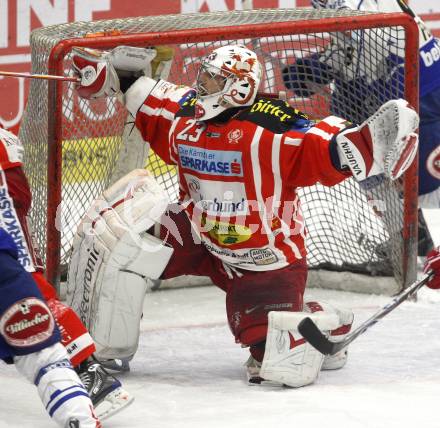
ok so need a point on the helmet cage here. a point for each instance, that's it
(209, 73)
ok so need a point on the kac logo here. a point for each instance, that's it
(235, 135)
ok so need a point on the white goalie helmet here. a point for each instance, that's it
(228, 77)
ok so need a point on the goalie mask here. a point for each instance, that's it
(228, 77)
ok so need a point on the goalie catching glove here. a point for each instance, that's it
(105, 74)
(386, 143)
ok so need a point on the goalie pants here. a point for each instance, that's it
(250, 296)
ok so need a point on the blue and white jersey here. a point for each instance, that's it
(17, 227)
(26, 323)
(7, 243)
(374, 74)
(429, 45)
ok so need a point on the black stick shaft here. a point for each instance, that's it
(318, 340)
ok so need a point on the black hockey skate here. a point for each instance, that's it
(105, 391)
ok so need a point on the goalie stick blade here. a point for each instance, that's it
(310, 331)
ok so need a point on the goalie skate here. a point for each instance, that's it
(253, 368)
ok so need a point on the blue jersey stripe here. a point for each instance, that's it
(67, 398)
(61, 391)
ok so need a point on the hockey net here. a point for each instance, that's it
(76, 148)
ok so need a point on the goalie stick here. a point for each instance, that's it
(319, 341)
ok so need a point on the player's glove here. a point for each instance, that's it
(386, 143)
(433, 263)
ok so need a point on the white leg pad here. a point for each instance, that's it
(288, 358)
(338, 360)
(114, 322)
(113, 255)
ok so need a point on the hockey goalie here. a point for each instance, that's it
(240, 159)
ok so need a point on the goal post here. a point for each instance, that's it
(73, 146)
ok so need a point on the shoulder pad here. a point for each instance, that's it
(274, 115)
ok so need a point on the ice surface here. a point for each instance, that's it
(188, 372)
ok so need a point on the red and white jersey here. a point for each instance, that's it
(238, 179)
(11, 150)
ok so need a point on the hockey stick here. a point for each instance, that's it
(40, 76)
(319, 341)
